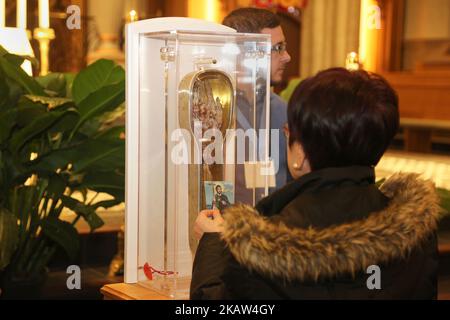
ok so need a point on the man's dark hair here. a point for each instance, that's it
(251, 20)
(343, 118)
(218, 186)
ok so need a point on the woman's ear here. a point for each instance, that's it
(298, 163)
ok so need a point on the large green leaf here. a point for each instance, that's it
(8, 119)
(103, 100)
(86, 211)
(56, 186)
(100, 155)
(39, 115)
(10, 92)
(28, 111)
(70, 77)
(14, 59)
(88, 130)
(107, 204)
(15, 91)
(3, 51)
(112, 183)
(24, 204)
(57, 84)
(51, 102)
(8, 237)
(41, 124)
(92, 155)
(4, 93)
(17, 74)
(47, 164)
(62, 233)
(12, 173)
(111, 133)
(96, 76)
(66, 123)
(54, 83)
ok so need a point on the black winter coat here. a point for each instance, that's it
(316, 237)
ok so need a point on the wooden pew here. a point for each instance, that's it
(424, 105)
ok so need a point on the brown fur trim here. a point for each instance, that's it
(298, 254)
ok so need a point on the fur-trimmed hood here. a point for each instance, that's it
(276, 250)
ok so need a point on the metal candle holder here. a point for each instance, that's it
(44, 36)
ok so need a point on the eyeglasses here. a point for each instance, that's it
(279, 47)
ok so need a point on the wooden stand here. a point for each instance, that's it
(124, 291)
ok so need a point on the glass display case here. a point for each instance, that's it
(197, 117)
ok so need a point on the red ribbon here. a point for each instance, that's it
(149, 271)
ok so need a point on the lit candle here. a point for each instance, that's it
(2, 13)
(22, 14)
(133, 16)
(44, 14)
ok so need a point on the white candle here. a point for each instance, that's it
(2, 13)
(22, 14)
(44, 14)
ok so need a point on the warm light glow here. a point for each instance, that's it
(16, 41)
(369, 34)
(2, 13)
(211, 10)
(133, 16)
(21, 14)
(352, 62)
(44, 14)
(205, 9)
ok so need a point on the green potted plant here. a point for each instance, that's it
(59, 142)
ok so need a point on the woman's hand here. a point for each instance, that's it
(208, 221)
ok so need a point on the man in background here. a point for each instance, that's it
(254, 20)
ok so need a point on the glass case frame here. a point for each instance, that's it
(164, 57)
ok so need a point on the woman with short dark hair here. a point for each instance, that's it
(331, 233)
(343, 118)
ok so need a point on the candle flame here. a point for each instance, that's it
(133, 16)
